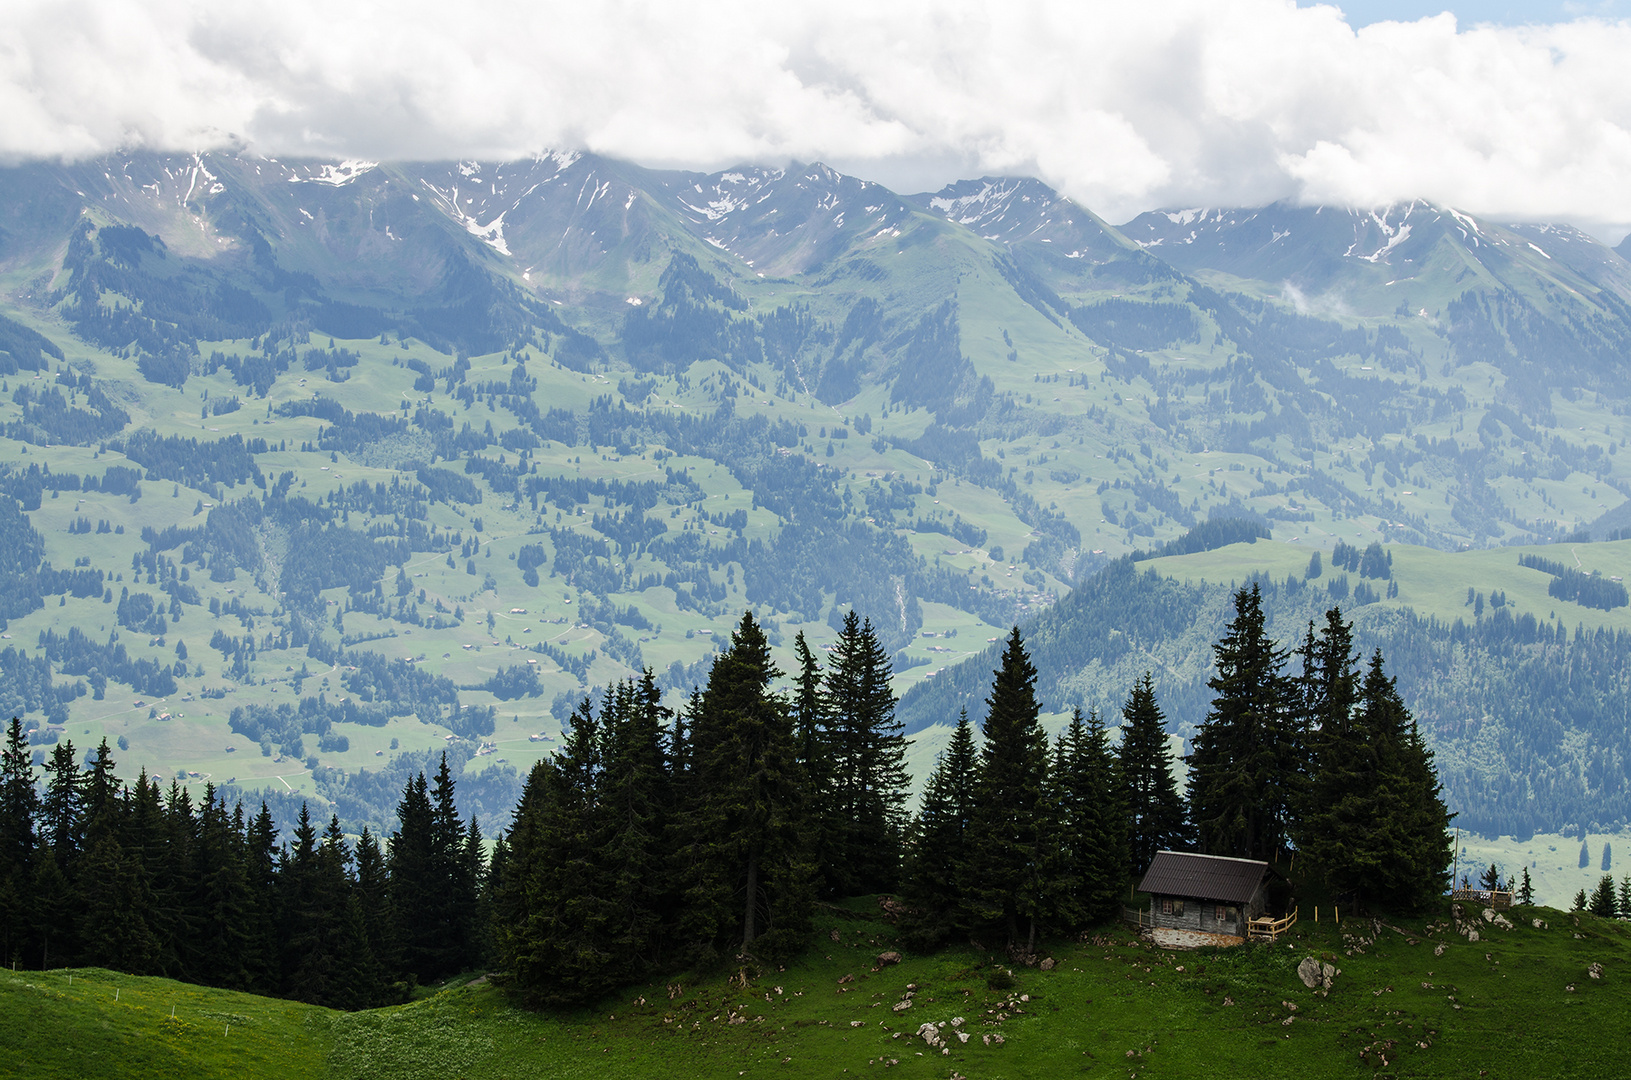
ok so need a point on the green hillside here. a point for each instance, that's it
(418, 441)
(1515, 1003)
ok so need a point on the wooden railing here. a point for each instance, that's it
(1498, 899)
(1267, 929)
(1138, 917)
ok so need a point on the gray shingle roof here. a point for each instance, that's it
(1203, 877)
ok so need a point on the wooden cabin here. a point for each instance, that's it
(1209, 893)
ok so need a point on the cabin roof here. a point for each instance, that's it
(1203, 877)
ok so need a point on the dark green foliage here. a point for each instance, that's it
(22, 348)
(433, 887)
(1213, 534)
(1010, 893)
(1588, 590)
(1526, 889)
(1602, 898)
(1243, 769)
(936, 885)
(745, 871)
(864, 760)
(1155, 817)
(1091, 823)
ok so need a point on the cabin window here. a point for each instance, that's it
(1220, 911)
(1178, 907)
(1166, 905)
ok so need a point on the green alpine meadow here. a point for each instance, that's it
(553, 616)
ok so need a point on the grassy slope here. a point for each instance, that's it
(55, 1028)
(1502, 1005)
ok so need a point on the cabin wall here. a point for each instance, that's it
(1201, 915)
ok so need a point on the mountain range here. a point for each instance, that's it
(440, 447)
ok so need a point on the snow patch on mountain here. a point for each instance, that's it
(340, 175)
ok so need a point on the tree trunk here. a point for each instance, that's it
(751, 908)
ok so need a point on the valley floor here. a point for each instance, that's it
(1416, 999)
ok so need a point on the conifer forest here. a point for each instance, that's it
(657, 840)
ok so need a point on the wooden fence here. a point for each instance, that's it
(1139, 918)
(1267, 929)
(1499, 899)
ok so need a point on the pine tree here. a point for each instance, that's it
(936, 882)
(1092, 823)
(1490, 879)
(1149, 794)
(222, 893)
(634, 812)
(263, 959)
(412, 860)
(1242, 760)
(747, 873)
(1602, 897)
(1526, 889)
(453, 909)
(1012, 821)
(62, 811)
(115, 927)
(378, 925)
(1388, 839)
(54, 912)
(865, 765)
(1579, 901)
(1625, 897)
(19, 804)
(556, 908)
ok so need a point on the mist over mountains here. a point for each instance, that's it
(435, 445)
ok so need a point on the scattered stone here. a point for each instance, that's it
(1569, 988)
(846, 979)
(1050, 963)
(887, 958)
(836, 936)
(1316, 975)
(1539, 924)
(902, 1006)
(1438, 950)
(1595, 971)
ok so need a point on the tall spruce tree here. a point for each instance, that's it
(635, 810)
(1377, 827)
(747, 875)
(1602, 898)
(865, 756)
(557, 885)
(456, 878)
(1092, 845)
(1154, 811)
(1009, 892)
(18, 807)
(19, 804)
(414, 881)
(1243, 758)
(936, 883)
(221, 892)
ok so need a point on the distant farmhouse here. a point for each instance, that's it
(1206, 893)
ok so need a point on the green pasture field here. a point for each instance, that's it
(1414, 998)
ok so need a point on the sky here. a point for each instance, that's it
(1514, 109)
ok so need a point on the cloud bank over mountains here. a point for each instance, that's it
(1122, 107)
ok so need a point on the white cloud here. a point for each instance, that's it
(1122, 106)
